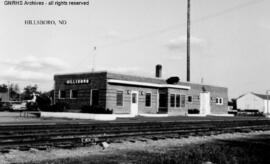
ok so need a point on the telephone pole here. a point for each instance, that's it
(93, 60)
(188, 40)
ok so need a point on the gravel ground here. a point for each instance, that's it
(159, 146)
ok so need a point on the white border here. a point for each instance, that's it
(148, 84)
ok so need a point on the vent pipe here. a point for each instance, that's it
(158, 71)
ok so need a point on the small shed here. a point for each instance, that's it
(254, 101)
(4, 96)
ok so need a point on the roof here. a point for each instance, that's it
(265, 97)
(177, 86)
(140, 79)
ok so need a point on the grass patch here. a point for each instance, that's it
(240, 151)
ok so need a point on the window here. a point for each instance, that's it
(189, 98)
(183, 101)
(172, 100)
(62, 94)
(73, 94)
(219, 101)
(177, 100)
(148, 99)
(134, 98)
(163, 100)
(95, 97)
(119, 98)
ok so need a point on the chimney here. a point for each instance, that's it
(158, 71)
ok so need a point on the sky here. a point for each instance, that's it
(230, 41)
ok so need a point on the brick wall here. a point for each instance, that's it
(97, 81)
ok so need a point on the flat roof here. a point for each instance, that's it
(114, 81)
(136, 78)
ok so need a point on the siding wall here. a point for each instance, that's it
(107, 93)
(177, 110)
(215, 92)
(125, 109)
(250, 101)
(4, 97)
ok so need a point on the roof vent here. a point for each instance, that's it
(173, 80)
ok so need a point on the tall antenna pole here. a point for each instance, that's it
(93, 60)
(188, 40)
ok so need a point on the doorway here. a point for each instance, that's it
(134, 103)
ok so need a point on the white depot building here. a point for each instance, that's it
(254, 101)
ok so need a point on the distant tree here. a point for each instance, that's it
(3, 88)
(28, 92)
(232, 103)
(14, 92)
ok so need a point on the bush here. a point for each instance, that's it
(31, 106)
(193, 111)
(43, 102)
(97, 110)
(59, 107)
(249, 112)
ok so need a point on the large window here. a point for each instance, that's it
(73, 94)
(148, 99)
(177, 100)
(172, 100)
(119, 98)
(183, 101)
(62, 94)
(95, 97)
(163, 100)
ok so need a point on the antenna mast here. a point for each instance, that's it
(93, 60)
(188, 40)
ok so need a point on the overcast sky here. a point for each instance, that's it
(230, 41)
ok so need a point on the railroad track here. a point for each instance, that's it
(24, 137)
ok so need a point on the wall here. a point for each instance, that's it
(250, 101)
(4, 97)
(215, 92)
(177, 110)
(98, 81)
(125, 109)
(265, 107)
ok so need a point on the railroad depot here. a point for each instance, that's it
(127, 94)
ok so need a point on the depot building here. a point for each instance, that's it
(127, 94)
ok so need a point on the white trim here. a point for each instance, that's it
(71, 94)
(59, 94)
(91, 98)
(148, 84)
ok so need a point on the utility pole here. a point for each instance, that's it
(188, 40)
(267, 101)
(93, 60)
(8, 90)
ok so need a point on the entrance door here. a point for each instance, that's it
(205, 103)
(134, 103)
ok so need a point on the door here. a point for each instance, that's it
(205, 103)
(134, 103)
